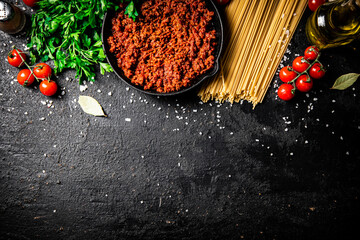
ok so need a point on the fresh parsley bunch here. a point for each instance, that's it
(68, 32)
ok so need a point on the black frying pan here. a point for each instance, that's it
(218, 25)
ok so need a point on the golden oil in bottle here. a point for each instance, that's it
(334, 24)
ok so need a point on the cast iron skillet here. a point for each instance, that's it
(218, 26)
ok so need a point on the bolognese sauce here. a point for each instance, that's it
(169, 45)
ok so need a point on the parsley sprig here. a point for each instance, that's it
(131, 10)
(68, 32)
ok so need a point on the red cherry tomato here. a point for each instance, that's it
(222, 2)
(48, 88)
(314, 4)
(287, 74)
(30, 3)
(42, 71)
(25, 77)
(317, 71)
(304, 83)
(311, 53)
(14, 58)
(286, 92)
(300, 64)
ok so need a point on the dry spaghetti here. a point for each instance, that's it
(258, 35)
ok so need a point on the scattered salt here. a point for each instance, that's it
(83, 88)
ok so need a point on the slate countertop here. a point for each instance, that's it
(180, 168)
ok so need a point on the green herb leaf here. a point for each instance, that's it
(98, 44)
(86, 40)
(345, 81)
(130, 10)
(105, 67)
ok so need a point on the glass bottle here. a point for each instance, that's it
(12, 19)
(334, 24)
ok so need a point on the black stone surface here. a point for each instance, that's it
(180, 169)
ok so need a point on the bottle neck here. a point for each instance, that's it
(353, 5)
(346, 14)
(357, 2)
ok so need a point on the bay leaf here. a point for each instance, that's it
(345, 81)
(91, 106)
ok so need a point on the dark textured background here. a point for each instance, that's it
(180, 169)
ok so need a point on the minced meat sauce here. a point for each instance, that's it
(167, 47)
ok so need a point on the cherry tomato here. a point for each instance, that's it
(314, 4)
(311, 53)
(222, 2)
(42, 71)
(14, 58)
(287, 74)
(286, 91)
(304, 83)
(30, 3)
(48, 87)
(317, 71)
(25, 77)
(300, 64)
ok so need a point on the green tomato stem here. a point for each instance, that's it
(27, 65)
(306, 71)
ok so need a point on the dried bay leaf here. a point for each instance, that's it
(91, 106)
(345, 81)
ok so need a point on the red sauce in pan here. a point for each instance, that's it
(167, 47)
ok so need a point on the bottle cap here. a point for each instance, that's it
(6, 12)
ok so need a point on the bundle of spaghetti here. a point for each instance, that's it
(257, 38)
